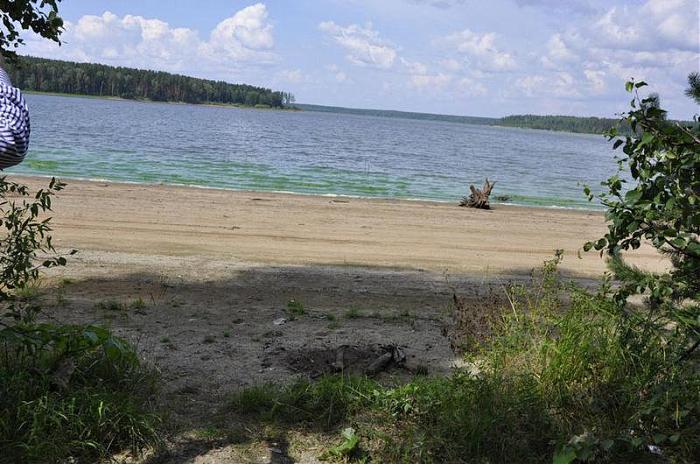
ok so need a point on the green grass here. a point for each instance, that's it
(353, 313)
(294, 309)
(563, 375)
(103, 406)
(138, 303)
(110, 305)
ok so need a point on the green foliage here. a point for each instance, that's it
(662, 207)
(556, 380)
(295, 308)
(40, 16)
(44, 75)
(348, 448)
(26, 235)
(72, 392)
(693, 90)
(320, 404)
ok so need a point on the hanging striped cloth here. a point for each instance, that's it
(14, 123)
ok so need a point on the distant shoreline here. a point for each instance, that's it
(146, 100)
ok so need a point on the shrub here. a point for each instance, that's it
(72, 392)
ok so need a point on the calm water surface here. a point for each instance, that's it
(306, 152)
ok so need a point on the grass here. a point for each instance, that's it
(294, 309)
(353, 313)
(562, 376)
(138, 304)
(110, 305)
(101, 406)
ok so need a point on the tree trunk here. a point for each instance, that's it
(478, 198)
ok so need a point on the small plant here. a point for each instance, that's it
(110, 305)
(227, 334)
(295, 308)
(165, 339)
(421, 370)
(138, 304)
(348, 448)
(26, 235)
(209, 339)
(353, 313)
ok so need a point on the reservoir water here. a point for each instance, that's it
(308, 152)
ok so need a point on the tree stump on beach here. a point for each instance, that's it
(478, 198)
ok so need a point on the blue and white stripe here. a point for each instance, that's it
(14, 123)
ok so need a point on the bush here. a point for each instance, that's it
(66, 392)
(72, 392)
(557, 378)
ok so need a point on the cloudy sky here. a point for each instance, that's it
(469, 57)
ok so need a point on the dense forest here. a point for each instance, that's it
(44, 75)
(589, 125)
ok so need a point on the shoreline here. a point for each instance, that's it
(149, 222)
(145, 100)
(454, 201)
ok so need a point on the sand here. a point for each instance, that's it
(285, 229)
(199, 280)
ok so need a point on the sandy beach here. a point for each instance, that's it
(286, 229)
(200, 281)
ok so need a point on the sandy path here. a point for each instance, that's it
(269, 228)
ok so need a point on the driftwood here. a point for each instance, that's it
(478, 198)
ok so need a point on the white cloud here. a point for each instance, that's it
(481, 48)
(363, 45)
(559, 84)
(657, 25)
(245, 37)
(431, 81)
(292, 75)
(472, 87)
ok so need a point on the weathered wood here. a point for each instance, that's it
(478, 198)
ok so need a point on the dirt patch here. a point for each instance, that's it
(358, 360)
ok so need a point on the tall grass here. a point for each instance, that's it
(72, 392)
(563, 376)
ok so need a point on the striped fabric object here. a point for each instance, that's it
(14, 123)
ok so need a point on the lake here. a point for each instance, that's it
(308, 152)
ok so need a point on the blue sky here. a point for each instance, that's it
(483, 58)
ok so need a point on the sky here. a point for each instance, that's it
(465, 57)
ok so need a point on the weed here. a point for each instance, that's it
(353, 313)
(562, 375)
(295, 308)
(110, 305)
(209, 339)
(421, 370)
(138, 304)
(165, 339)
(334, 325)
(227, 334)
(100, 404)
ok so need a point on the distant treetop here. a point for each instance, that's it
(44, 75)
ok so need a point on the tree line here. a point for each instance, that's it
(45, 75)
(586, 125)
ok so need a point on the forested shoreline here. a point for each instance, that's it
(88, 79)
(54, 76)
(583, 125)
